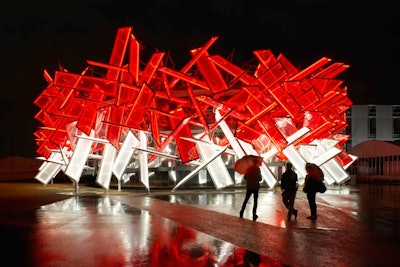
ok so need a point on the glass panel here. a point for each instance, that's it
(211, 74)
(118, 52)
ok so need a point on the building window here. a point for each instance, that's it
(372, 121)
(396, 111)
(372, 111)
(372, 128)
(396, 121)
(396, 127)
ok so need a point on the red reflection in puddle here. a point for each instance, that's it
(96, 231)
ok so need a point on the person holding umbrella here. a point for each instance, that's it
(312, 183)
(253, 178)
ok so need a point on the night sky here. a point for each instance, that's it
(40, 35)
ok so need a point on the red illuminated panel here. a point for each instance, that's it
(88, 117)
(155, 127)
(267, 61)
(234, 70)
(187, 149)
(118, 52)
(199, 52)
(224, 109)
(211, 74)
(139, 108)
(291, 70)
(114, 130)
(311, 69)
(44, 118)
(285, 100)
(326, 86)
(199, 111)
(343, 158)
(267, 126)
(126, 94)
(331, 71)
(134, 58)
(184, 77)
(151, 68)
(85, 84)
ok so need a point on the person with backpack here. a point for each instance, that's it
(289, 190)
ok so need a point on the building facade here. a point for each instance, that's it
(374, 137)
(373, 122)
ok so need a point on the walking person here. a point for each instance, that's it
(313, 179)
(289, 190)
(253, 178)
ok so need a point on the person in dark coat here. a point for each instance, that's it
(314, 177)
(253, 178)
(289, 190)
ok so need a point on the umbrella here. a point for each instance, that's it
(243, 164)
(314, 171)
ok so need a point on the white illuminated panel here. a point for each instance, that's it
(229, 135)
(297, 135)
(216, 168)
(202, 176)
(78, 159)
(336, 171)
(327, 176)
(296, 159)
(143, 161)
(201, 166)
(124, 155)
(106, 166)
(307, 151)
(328, 143)
(49, 170)
(266, 173)
(270, 153)
(327, 155)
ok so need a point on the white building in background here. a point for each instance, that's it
(374, 138)
(373, 122)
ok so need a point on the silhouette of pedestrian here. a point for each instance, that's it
(289, 190)
(253, 178)
(313, 179)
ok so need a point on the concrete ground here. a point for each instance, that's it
(57, 225)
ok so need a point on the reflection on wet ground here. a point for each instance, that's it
(131, 237)
(200, 228)
(374, 205)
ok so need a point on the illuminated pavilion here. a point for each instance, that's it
(206, 115)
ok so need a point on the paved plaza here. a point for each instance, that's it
(58, 225)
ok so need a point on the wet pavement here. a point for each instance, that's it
(357, 225)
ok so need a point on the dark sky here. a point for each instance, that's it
(39, 35)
